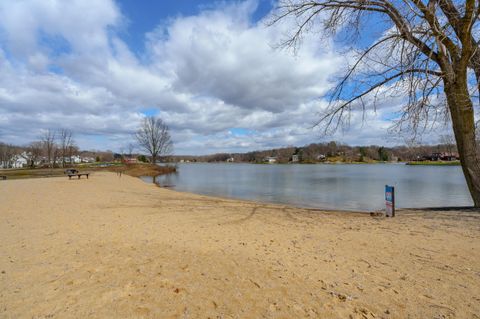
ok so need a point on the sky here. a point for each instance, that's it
(212, 70)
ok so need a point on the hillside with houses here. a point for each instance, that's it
(334, 152)
(27, 159)
(53, 149)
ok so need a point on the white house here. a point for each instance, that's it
(76, 159)
(270, 159)
(18, 161)
(88, 160)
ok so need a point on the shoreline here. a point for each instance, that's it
(115, 246)
(400, 210)
(319, 209)
(251, 201)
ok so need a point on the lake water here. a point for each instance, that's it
(327, 186)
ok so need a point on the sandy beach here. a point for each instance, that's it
(116, 247)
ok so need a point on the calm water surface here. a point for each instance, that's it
(341, 186)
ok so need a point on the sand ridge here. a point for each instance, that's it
(116, 247)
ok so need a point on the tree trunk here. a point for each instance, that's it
(463, 122)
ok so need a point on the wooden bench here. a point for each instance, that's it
(4, 177)
(78, 174)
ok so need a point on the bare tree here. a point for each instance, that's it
(122, 152)
(65, 137)
(72, 148)
(6, 153)
(49, 147)
(448, 142)
(3, 161)
(130, 148)
(154, 138)
(428, 53)
(34, 151)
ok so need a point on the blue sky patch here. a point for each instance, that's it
(241, 131)
(56, 44)
(145, 16)
(150, 111)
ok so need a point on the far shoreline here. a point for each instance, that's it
(411, 163)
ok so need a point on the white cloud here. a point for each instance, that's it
(221, 54)
(83, 24)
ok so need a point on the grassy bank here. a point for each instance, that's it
(435, 163)
(135, 170)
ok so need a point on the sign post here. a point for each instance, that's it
(390, 201)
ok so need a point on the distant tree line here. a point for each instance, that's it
(332, 151)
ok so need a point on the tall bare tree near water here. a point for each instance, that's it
(429, 53)
(154, 138)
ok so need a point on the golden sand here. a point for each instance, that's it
(115, 247)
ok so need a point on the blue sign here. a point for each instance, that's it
(389, 193)
(389, 201)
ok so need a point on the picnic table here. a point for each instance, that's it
(78, 175)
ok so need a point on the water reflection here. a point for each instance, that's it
(354, 187)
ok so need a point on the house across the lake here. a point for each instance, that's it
(442, 156)
(270, 159)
